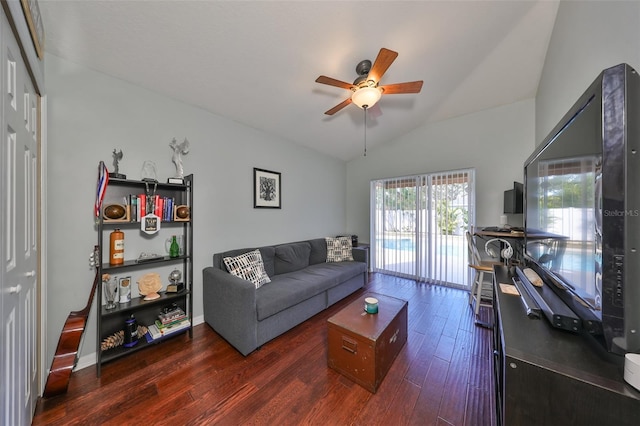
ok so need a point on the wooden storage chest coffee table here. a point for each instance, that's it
(363, 346)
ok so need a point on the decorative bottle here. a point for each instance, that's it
(174, 248)
(130, 332)
(116, 247)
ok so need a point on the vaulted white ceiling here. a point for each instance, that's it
(255, 62)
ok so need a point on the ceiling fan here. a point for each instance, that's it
(366, 88)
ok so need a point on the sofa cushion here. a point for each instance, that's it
(339, 249)
(291, 257)
(318, 251)
(336, 272)
(248, 266)
(288, 290)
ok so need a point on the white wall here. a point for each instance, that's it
(495, 142)
(588, 36)
(91, 114)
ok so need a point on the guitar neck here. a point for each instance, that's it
(85, 311)
(66, 354)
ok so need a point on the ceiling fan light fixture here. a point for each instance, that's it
(366, 96)
(366, 91)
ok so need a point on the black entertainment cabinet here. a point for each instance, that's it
(547, 376)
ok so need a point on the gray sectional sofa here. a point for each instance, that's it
(302, 284)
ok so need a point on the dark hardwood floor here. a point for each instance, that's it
(442, 376)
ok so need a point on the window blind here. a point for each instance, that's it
(418, 226)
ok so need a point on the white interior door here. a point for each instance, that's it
(18, 206)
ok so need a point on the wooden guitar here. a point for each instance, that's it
(66, 355)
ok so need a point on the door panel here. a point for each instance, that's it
(18, 198)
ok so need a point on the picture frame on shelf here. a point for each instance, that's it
(267, 192)
(124, 289)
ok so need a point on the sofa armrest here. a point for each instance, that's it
(359, 254)
(230, 308)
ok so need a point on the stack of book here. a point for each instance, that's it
(141, 205)
(168, 323)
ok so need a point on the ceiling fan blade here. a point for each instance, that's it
(408, 87)
(333, 82)
(382, 63)
(339, 106)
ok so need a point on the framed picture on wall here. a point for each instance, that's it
(266, 189)
(34, 22)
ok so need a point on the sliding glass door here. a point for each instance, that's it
(419, 223)
(396, 225)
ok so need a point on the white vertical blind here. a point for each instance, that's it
(418, 225)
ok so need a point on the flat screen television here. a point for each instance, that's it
(513, 199)
(582, 209)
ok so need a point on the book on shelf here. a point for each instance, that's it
(172, 316)
(168, 210)
(142, 205)
(133, 202)
(185, 323)
(162, 325)
(153, 332)
(157, 332)
(157, 208)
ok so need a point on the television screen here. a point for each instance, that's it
(582, 210)
(562, 187)
(513, 199)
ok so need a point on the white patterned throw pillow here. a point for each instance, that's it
(248, 266)
(339, 249)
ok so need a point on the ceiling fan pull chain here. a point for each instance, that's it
(365, 130)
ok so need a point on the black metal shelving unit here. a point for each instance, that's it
(145, 312)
